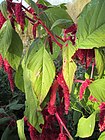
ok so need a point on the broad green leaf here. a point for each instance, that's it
(56, 13)
(19, 78)
(20, 126)
(33, 5)
(100, 62)
(97, 89)
(86, 126)
(102, 136)
(91, 25)
(43, 71)
(5, 37)
(62, 23)
(69, 66)
(3, 8)
(32, 108)
(15, 50)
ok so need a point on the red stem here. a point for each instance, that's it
(60, 38)
(49, 32)
(61, 122)
(78, 81)
(45, 27)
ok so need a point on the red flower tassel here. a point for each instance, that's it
(51, 105)
(83, 87)
(1, 61)
(62, 83)
(62, 137)
(9, 72)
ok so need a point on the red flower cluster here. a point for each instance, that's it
(10, 7)
(9, 72)
(92, 98)
(34, 29)
(102, 116)
(1, 61)
(7, 68)
(62, 83)
(62, 137)
(51, 105)
(20, 15)
(70, 33)
(83, 87)
(2, 19)
(85, 56)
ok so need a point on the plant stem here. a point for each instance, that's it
(92, 71)
(61, 122)
(49, 32)
(78, 81)
(45, 27)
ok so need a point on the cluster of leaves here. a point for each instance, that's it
(11, 108)
(48, 72)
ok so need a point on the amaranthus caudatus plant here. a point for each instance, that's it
(62, 71)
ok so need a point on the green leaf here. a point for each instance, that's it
(10, 134)
(20, 126)
(15, 105)
(76, 117)
(33, 5)
(32, 108)
(5, 37)
(97, 89)
(5, 120)
(15, 50)
(102, 136)
(2, 111)
(100, 62)
(19, 78)
(69, 66)
(3, 8)
(56, 13)
(43, 70)
(91, 25)
(86, 126)
(64, 23)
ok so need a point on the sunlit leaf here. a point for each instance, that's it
(20, 126)
(100, 61)
(91, 25)
(86, 126)
(32, 108)
(15, 50)
(69, 66)
(43, 71)
(102, 136)
(97, 89)
(5, 37)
